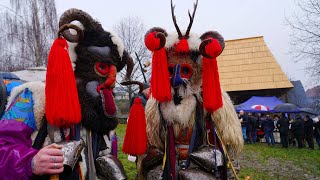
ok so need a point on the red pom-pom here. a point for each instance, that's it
(160, 79)
(135, 140)
(212, 96)
(213, 49)
(182, 46)
(152, 42)
(62, 100)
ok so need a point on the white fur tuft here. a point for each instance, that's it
(37, 88)
(193, 40)
(72, 53)
(117, 41)
(181, 113)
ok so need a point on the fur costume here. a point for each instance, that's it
(183, 112)
(96, 56)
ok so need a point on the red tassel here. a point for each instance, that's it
(152, 42)
(62, 100)
(212, 97)
(135, 140)
(160, 79)
(182, 46)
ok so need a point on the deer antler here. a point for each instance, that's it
(175, 20)
(195, 5)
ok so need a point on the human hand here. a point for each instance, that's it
(49, 160)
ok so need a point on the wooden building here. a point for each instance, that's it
(248, 68)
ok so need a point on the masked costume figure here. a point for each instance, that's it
(192, 128)
(74, 107)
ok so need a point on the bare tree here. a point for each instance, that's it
(27, 28)
(305, 35)
(131, 30)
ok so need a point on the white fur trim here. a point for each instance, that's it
(117, 41)
(83, 165)
(37, 88)
(132, 158)
(194, 41)
(181, 113)
(72, 53)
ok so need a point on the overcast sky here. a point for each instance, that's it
(232, 18)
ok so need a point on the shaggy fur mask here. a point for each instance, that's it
(88, 45)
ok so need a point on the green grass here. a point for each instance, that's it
(258, 161)
(263, 162)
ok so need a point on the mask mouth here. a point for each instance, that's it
(176, 97)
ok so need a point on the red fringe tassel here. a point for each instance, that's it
(135, 140)
(62, 100)
(212, 96)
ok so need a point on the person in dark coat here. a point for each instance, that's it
(298, 130)
(255, 126)
(268, 127)
(308, 131)
(317, 132)
(283, 126)
(243, 120)
(249, 128)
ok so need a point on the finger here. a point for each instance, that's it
(55, 171)
(54, 152)
(55, 165)
(54, 146)
(55, 159)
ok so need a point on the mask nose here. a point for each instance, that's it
(176, 79)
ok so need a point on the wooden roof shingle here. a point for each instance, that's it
(248, 64)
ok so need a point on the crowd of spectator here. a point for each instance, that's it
(295, 130)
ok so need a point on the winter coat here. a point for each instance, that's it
(268, 125)
(244, 118)
(283, 125)
(298, 127)
(308, 127)
(250, 123)
(317, 130)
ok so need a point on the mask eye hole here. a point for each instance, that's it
(186, 71)
(170, 69)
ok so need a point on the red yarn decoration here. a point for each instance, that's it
(212, 96)
(152, 42)
(182, 46)
(160, 80)
(135, 140)
(62, 100)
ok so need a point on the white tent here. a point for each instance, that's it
(32, 74)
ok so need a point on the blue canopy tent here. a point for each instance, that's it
(269, 102)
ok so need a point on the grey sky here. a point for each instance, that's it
(232, 18)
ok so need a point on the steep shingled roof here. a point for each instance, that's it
(248, 64)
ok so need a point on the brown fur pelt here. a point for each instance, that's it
(225, 119)
(229, 126)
